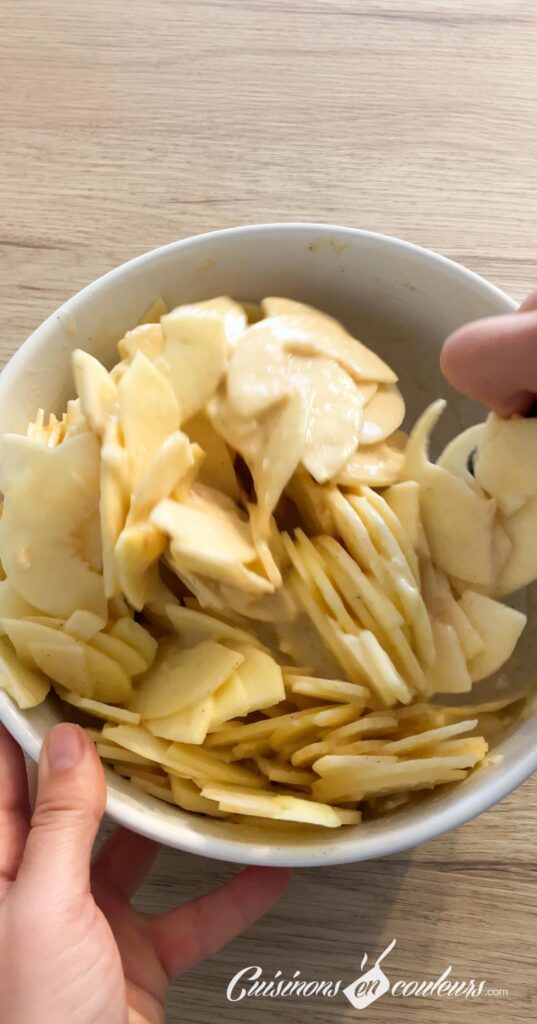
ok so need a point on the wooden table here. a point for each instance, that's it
(126, 125)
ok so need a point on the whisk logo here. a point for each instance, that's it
(369, 986)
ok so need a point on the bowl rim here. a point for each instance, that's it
(401, 835)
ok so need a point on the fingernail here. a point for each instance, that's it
(64, 747)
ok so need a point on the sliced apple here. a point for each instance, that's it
(316, 333)
(378, 465)
(49, 495)
(154, 312)
(95, 388)
(449, 672)
(196, 343)
(262, 375)
(25, 685)
(90, 547)
(194, 626)
(84, 625)
(458, 521)
(136, 553)
(499, 628)
(505, 462)
(180, 677)
(127, 657)
(520, 567)
(258, 373)
(110, 682)
(147, 338)
(148, 413)
(383, 415)
(12, 605)
(108, 712)
(188, 796)
(238, 800)
(113, 502)
(73, 420)
(194, 763)
(443, 606)
(394, 525)
(216, 470)
(312, 503)
(207, 535)
(261, 678)
(137, 637)
(459, 455)
(404, 501)
(189, 725)
(68, 661)
(68, 666)
(230, 700)
(336, 418)
(175, 464)
(139, 740)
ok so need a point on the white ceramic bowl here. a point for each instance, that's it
(398, 298)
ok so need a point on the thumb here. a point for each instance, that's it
(494, 361)
(70, 801)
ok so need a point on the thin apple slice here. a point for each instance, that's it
(188, 796)
(336, 419)
(84, 625)
(230, 701)
(383, 415)
(520, 566)
(12, 605)
(49, 494)
(108, 712)
(377, 465)
(25, 685)
(193, 626)
(113, 502)
(180, 677)
(261, 678)
(216, 470)
(459, 455)
(189, 725)
(69, 667)
(148, 413)
(237, 800)
(136, 636)
(442, 605)
(196, 343)
(208, 535)
(95, 388)
(147, 338)
(154, 311)
(505, 463)
(127, 657)
(458, 521)
(499, 628)
(449, 672)
(316, 333)
(137, 739)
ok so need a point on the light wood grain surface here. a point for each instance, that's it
(126, 125)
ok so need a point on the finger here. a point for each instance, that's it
(14, 808)
(494, 361)
(529, 303)
(123, 862)
(185, 936)
(71, 796)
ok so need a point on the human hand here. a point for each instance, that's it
(72, 949)
(494, 360)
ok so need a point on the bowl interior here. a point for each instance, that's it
(400, 300)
